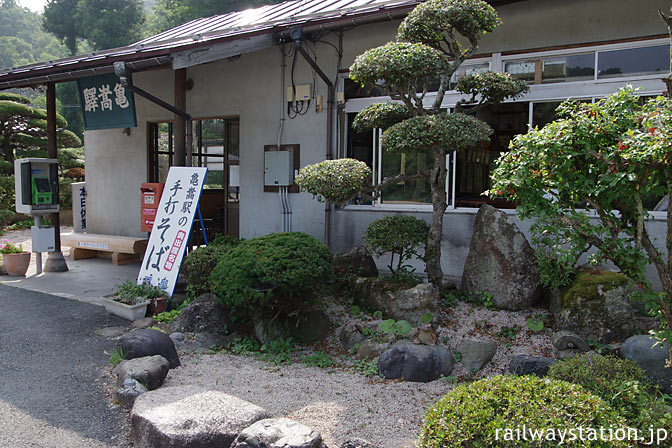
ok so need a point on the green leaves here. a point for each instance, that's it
(401, 235)
(397, 328)
(398, 65)
(380, 115)
(430, 22)
(337, 181)
(491, 87)
(445, 131)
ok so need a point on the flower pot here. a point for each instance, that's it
(16, 264)
(158, 305)
(130, 312)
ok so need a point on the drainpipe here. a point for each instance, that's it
(297, 35)
(124, 75)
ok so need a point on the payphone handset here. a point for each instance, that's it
(36, 186)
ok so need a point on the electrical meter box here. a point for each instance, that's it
(36, 186)
(278, 168)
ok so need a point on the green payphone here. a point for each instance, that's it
(36, 186)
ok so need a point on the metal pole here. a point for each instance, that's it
(55, 261)
(38, 255)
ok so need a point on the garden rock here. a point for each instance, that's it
(369, 349)
(190, 417)
(350, 336)
(177, 337)
(112, 332)
(357, 443)
(596, 306)
(129, 391)
(149, 370)
(278, 433)
(530, 365)
(399, 304)
(268, 330)
(313, 326)
(145, 342)
(565, 340)
(357, 261)
(641, 350)
(204, 314)
(476, 354)
(417, 363)
(501, 262)
(145, 322)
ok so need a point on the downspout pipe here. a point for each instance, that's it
(297, 35)
(126, 79)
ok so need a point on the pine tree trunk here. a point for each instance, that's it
(433, 246)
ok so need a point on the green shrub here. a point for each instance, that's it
(5, 217)
(198, 265)
(271, 273)
(400, 235)
(337, 181)
(7, 193)
(621, 384)
(479, 413)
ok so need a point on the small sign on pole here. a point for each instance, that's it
(106, 103)
(174, 218)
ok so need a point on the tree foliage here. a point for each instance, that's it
(23, 126)
(22, 39)
(606, 157)
(430, 46)
(334, 180)
(400, 235)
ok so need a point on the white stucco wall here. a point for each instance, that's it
(250, 88)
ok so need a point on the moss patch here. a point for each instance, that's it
(586, 284)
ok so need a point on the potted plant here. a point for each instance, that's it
(131, 301)
(15, 260)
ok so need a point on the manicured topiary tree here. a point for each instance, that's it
(24, 127)
(400, 235)
(606, 157)
(432, 42)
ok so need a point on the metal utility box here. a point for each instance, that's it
(36, 186)
(278, 168)
(44, 239)
(151, 197)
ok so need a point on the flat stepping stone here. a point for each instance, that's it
(190, 417)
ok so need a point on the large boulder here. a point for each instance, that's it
(312, 326)
(204, 314)
(476, 354)
(417, 363)
(146, 342)
(149, 371)
(356, 261)
(280, 433)
(651, 357)
(501, 262)
(398, 303)
(190, 417)
(596, 306)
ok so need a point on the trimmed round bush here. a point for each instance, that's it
(338, 181)
(271, 273)
(198, 265)
(478, 414)
(620, 383)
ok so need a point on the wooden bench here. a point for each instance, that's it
(122, 249)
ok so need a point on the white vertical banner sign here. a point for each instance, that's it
(172, 226)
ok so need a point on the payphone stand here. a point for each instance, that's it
(36, 188)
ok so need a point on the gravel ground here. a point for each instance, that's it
(342, 404)
(339, 404)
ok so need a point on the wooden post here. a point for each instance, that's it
(55, 261)
(180, 123)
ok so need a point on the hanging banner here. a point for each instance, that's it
(106, 104)
(172, 226)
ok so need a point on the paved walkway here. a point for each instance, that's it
(51, 373)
